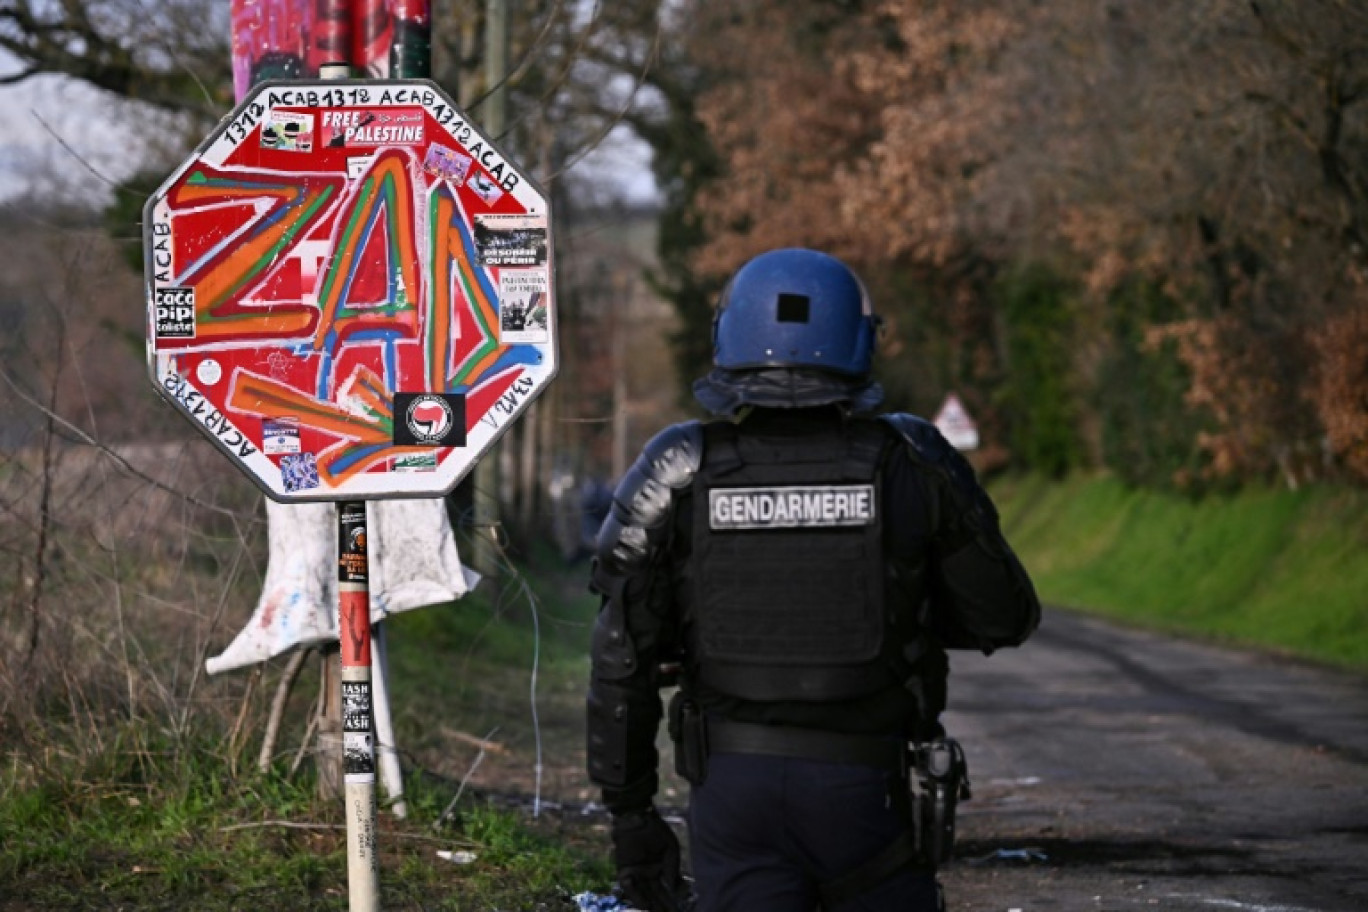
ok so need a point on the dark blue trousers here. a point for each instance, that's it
(765, 831)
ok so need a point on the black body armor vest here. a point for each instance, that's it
(788, 596)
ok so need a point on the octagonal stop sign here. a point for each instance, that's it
(350, 290)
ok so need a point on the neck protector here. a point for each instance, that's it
(723, 392)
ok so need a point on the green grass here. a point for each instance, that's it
(100, 813)
(467, 666)
(161, 826)
(144, 824)
(1286, 570)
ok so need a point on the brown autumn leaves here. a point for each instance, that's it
(1217, 151)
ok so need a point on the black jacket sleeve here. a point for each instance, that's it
(632, 573)
(980, 595)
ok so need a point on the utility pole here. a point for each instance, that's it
(619, 308)
(495, 109)
(492, 117)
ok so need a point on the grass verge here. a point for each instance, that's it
(183, 832)
(1279, 569)
(103, 812)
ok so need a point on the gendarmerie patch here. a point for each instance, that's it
(791, 507)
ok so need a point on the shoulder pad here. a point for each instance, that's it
(925, 438)
(644, 499)
(928, 446)
(675, 453)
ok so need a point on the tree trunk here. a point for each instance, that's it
(527, 477)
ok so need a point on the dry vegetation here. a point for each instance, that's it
(132, 549)
(121, 538)
(1211, 152)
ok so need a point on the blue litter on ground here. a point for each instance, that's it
(1011, 855)
(595, 902)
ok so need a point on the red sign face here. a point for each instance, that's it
(350, 290)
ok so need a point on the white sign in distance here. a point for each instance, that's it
(954, 423)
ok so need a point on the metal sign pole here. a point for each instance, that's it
(336, 195)
(358, 716)
(411, 49)
(358, 737)
(410, 56)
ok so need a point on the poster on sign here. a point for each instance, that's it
(350, 290)
(294, 39)
(954, 423)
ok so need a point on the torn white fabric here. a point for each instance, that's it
(413, 562)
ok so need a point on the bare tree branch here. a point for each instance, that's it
(112, 47)
(112, 454)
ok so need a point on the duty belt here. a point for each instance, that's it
(726, 736)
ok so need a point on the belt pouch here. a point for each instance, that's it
(689, 731)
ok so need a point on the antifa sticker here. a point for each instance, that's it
(791, 507)
(429, 419)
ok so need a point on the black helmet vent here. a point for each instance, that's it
(793, 308)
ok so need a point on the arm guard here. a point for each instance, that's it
(624, 702)
(983, 598)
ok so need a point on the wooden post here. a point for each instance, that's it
(328, 747)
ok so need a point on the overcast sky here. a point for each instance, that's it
(62, 138)
(39, 116)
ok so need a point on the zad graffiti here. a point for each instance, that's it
(299, 273)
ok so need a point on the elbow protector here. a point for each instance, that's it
(1003, 584)
(633, 538)
(622, 726)
(612, 650)
(623, 711)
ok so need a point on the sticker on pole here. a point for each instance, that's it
(350, 290)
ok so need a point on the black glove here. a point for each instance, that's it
(646, 853)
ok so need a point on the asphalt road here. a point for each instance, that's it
(1118, 770)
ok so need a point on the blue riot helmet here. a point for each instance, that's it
(795, 308)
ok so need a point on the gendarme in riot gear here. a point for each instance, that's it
(805, 565)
